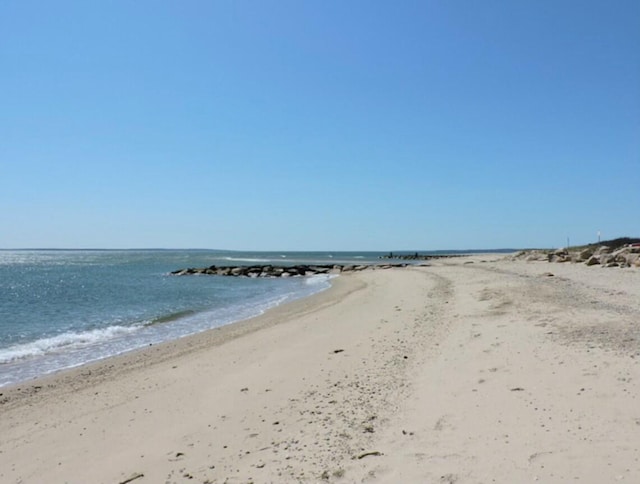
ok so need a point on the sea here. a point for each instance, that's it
(63, 308)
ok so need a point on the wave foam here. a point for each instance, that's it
(62, 342)
(245, 259)
(319, 280)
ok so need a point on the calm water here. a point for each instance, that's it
(60, 309)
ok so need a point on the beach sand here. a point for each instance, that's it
(471, 370)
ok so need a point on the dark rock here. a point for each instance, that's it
(585, 254)
(593, 260)
(606, 258)
(416, 256)
(278, 271)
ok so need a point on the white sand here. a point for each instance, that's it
(459, 372)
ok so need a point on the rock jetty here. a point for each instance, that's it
(605, 256)
(280, 271)
(417, 256)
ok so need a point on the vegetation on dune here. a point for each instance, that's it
(612, 243)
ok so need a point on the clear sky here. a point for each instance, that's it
(318, 125)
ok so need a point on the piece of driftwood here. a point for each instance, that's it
(133, 477)
(368, 454)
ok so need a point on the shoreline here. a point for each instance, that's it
(468, 370)
(138, 336)
(94, 372)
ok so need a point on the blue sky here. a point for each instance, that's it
(318, 125)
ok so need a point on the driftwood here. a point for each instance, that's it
(133, 477)
(368, 454)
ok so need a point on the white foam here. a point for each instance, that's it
(319, 280)
(243, 259)
(64, 341)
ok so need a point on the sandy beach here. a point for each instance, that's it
(471, 370)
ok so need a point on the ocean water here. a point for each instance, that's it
(63, 308)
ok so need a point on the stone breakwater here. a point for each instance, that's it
(417, 256)
(280, 271)
(603, 256)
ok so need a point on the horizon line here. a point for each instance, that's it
(104, 249)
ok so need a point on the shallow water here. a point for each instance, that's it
(63, 308)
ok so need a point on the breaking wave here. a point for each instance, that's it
(64, 342)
